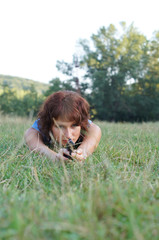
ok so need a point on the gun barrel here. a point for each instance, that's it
(69, 147)
(71, 142)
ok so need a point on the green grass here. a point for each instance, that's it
(113, 195)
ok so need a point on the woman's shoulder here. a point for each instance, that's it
(35, 125)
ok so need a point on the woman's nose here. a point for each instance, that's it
(68, 133)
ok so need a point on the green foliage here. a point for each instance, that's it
(56, 85)
(28, 105)
(32, 102)
(115, 60)
(113, 195)
(72, 84)
(124, 73)
(19, 84)
(8, 100)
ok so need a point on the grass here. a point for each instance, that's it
(113, 195)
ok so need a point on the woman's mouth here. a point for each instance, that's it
(64, 142)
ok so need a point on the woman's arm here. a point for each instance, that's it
(89, 143)
(35, 143)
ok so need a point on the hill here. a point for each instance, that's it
(22, 84)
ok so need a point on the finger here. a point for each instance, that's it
(79, 151)
(65, 151)
(60, 157)
(77, 156)
(82, 152)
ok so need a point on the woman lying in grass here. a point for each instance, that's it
(64, 118)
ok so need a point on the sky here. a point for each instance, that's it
(34, 34)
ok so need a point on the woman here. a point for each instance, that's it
(64, 117)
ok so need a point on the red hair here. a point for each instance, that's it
(67, 105)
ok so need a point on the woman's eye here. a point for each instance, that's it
(59, 126)
(75, 125)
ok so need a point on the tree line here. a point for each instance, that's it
(120, 81)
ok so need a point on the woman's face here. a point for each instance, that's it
(63, 130)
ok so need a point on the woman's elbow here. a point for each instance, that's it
(30, 137)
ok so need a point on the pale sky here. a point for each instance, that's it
(34, 34)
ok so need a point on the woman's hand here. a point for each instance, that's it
(60, 155)
(79, 155)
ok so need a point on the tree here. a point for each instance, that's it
(124, 72)
(31, 102)
(7, 99)
(56, 85)
(11, 104)
(73, 83)
(114, 61)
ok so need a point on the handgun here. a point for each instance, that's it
(69, 146)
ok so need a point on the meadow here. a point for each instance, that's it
(113, 195)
